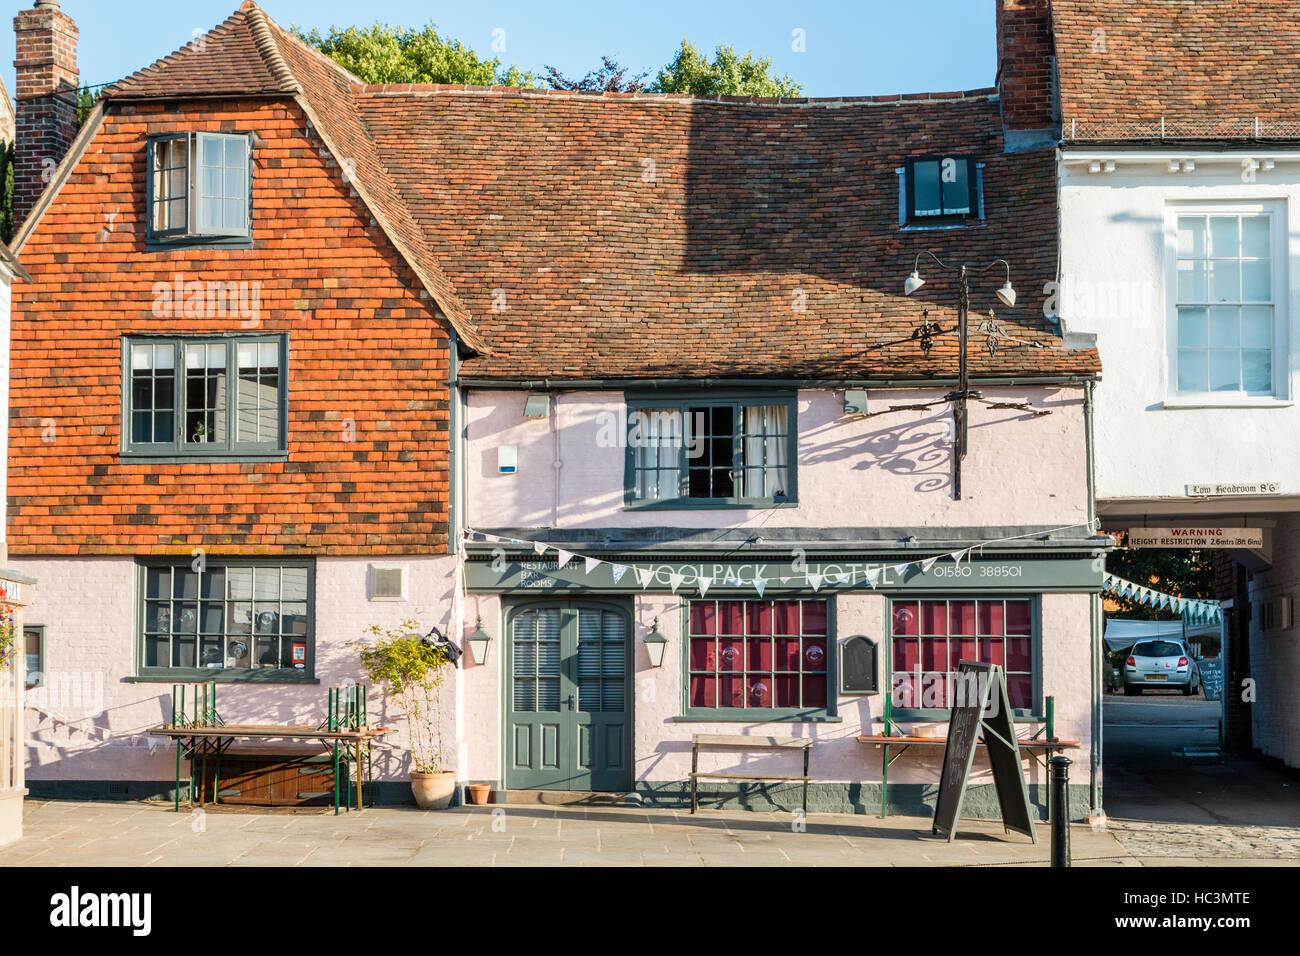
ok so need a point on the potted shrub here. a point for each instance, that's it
(411, 671)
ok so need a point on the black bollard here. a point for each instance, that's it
(1060, 811)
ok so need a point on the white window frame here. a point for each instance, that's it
(1281, 250)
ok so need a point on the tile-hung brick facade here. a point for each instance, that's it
(499, 289)
(325, 459)
(1180, 179)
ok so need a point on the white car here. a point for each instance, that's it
(1165, 662)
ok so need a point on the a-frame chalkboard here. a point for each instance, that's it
(981, 708)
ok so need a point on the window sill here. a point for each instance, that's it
(756, 717)
(217, 677)
(156, 244)
(941, 226)
(1213, 402)
(691, 504)
(173, 458)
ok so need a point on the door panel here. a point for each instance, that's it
(568, 706)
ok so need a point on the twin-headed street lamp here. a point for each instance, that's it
(1007, 296)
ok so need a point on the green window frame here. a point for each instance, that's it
(716, 450)
(742, 674)
(1004, 632)
(178, 402)
(199, 189)
(226, 619)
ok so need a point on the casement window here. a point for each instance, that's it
(759, 659)
(239, 619)
(34, 654)
(1228, 285)
(715, 452)
(202, 396)
(199, 188)
(929, 636)
(940, 190)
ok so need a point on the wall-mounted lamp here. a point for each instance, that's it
(478, 643)
(655, 645)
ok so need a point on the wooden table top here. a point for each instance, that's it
(1020, 742)
(283, 731)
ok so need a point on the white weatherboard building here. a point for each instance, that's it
(1185, 263)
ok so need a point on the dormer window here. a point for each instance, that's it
(940, 190)
(199, 188)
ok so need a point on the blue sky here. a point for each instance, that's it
(852, 48)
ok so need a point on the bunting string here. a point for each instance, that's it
(1193, 609)
(815, 579)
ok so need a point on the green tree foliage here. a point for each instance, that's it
(387, 54)
(609, 77)
(1182, 573)
(412, 672)
(7, 198)
(728, 74)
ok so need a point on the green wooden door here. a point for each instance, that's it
(568, 698)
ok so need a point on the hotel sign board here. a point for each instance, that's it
(1224, 489)
(1196, 538)
(736, 576)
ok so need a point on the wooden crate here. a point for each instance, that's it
(275, 779)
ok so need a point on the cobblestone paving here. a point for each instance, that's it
(1186, 842)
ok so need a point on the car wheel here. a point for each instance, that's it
(1187, 691)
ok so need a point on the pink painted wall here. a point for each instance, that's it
(893, 470)
(90, 724)
(662, 743)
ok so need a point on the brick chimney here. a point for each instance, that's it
(1027, 73)
(45, 99)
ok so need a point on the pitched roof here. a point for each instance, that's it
(572, 236)
(235, 57)
(1207, 68)
(627, 237)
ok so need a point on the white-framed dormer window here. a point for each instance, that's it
(1227, 294)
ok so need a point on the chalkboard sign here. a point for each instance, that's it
(981, 708)
(1211, 678)
(858, 665)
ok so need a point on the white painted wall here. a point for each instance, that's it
(1114, 279)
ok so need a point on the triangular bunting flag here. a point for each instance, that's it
(927, 564)
(564, 557)
(592, 564)
(618, 570)
(873, 577)
(539, 547)
(759, 585)
(901, 569)
(784, 579)
(815, 580)
(704, 585)
(958, 555)
(643, 577)
(675, 580)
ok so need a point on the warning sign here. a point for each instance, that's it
(1196, 538)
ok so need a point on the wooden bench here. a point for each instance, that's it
(750, 742)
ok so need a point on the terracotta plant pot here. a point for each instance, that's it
(433, 791)
(478, 793)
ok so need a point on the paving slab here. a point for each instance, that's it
(146, 834)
